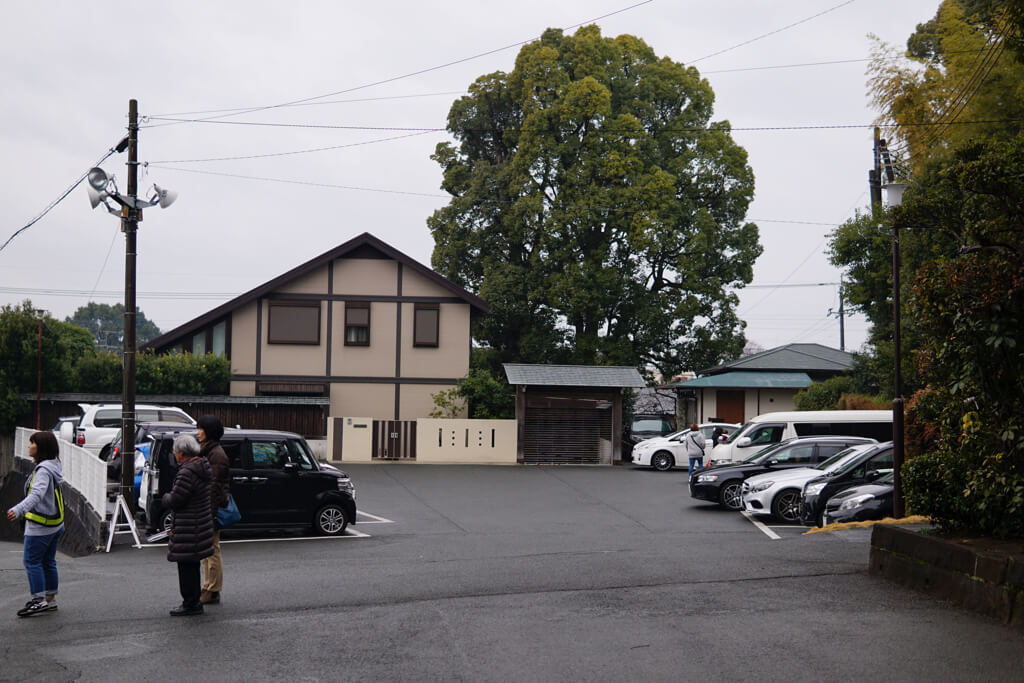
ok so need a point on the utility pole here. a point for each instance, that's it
(842, 319)
(875, 176)
(130, 216)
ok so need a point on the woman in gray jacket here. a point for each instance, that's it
(694, 443)
(43, 511)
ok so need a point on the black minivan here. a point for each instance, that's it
(276, 482)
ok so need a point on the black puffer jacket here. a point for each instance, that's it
(191, 537)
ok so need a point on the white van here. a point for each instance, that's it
(771, 428)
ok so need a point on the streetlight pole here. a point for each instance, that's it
(130, 225)
(894, 193)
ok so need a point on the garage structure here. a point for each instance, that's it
(570, 414)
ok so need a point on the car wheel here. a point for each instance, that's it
(730, 495)
(330, 520)
(786, 506)
(165, 522)
(662, 461)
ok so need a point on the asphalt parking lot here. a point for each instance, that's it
(501, 573)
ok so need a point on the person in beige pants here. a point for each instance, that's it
(210, 431)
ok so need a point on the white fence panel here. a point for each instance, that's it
(82, 470)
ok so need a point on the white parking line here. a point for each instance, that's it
(767, 532)
(374, 519)
(350, 533)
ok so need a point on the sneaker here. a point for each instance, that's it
(35, 606)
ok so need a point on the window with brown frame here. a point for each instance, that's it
(293, 322)
(426, 324)
(357, 323)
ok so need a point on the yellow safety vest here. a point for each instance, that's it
(47, 520)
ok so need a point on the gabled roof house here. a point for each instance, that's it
(363, 324)
(762, 382)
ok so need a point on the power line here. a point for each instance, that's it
(290, 153)
(683, 129)
(239, 112)
(771, 33)
(56, 201)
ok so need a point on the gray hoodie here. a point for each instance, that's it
(40, 499)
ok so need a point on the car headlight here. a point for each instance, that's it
(855, 501)
(761, 486)
(814, 489)
(345, 484)
(704, 478)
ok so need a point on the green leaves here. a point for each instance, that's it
(594, 210)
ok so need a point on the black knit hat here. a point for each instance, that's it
(211, 426)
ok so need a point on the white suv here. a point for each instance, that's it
(101, 422)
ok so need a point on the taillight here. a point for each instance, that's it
(80, 438)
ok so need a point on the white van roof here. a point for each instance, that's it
(826, 416)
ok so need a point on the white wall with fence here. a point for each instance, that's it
(82, 470)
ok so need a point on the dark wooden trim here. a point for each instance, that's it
(373, 298)
(343, 379)
(330, 317)
(398, 344)
(259, 336)
(520, 423)
(292, 303)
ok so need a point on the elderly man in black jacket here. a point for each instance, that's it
(191, 536)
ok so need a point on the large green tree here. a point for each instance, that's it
(597, 208)
(106, 323)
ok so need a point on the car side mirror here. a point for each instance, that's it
(291, 467)
(872, 475)
(743, 442)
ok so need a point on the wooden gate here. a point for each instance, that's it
(563, 431)
(394, 440)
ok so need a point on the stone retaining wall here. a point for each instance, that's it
(986, 576)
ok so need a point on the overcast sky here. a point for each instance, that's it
(72, 68)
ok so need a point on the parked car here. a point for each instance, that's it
(664, 453)
(276, 482)
(770, 428)
(111, 453)
(100, 422)
(866, 468)
(723, 484)
(861, 503)
(776, 494)
(65, 427)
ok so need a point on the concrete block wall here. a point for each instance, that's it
(987, 578)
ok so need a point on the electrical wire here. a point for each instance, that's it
(973, 80)
(58, 200)
(291, 153)
(770, 33)
(239, 112)
(683, 129)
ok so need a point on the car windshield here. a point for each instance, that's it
(859, 458)
(765, 453)
(841, 458)
(735, 434)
